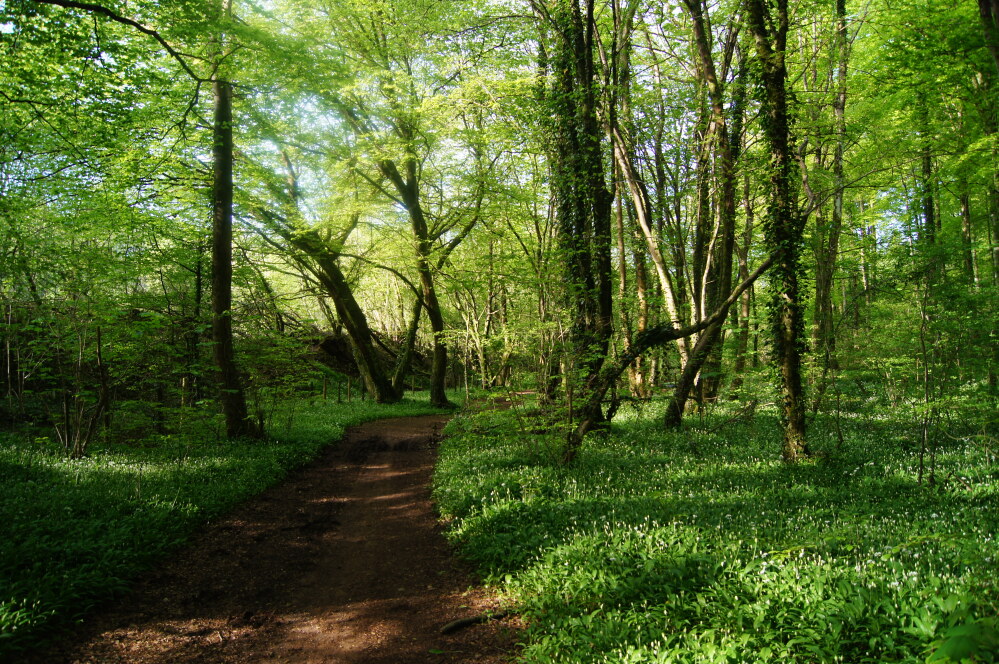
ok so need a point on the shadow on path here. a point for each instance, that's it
(344, 562)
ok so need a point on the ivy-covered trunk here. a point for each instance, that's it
(582, 199)
(783, 226)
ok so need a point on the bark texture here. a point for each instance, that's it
(231, 394)
(783, 226)
(582, 199)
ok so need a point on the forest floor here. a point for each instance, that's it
(343, 562)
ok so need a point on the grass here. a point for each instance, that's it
(702, 546)
(75, 532)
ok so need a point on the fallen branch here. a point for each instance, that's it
(462, 623)
(747, 412)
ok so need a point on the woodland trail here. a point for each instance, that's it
(343, 562)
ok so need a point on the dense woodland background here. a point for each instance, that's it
(208, 209)
(497, 194)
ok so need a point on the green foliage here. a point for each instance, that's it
(701, 546)
(75, 532)
(103, 229)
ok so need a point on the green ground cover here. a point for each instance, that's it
(74, 532)
(701, 546)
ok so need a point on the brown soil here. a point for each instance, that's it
(342, 563)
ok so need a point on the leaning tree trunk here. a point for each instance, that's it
(714, 267)
(320, 257)
(369, 365)
(783, 226)
(653, 337)
(688, 376)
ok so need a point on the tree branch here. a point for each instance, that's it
(653, 337)
(124, 20)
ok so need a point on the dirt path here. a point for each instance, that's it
(342, 563)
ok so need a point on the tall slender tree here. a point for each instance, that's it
(784, 223)
(231, 396)
(715, 274)
(583, 201)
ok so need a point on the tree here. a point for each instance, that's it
(237, 421)
(582, 200)
(653, 337)
(784, 223)
(317, 251)
(231, 395)
(988, 12)
(393, 98)
(716, 266)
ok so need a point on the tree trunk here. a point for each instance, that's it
(827, 237)
(640, 376)
(321, 258)
(994, 229)
(742, 338)
(654, 337)
(988, 11)
(929, 229)
(990, 125)
(583, 203)
(231, 394)
(643, 214)
(405, 355)
(967, 240)
(324, 266)
(714, 244)
(190, 386)
(438, 365)
(408, 187)
(783, 227)
(685, 383)
(421, 235)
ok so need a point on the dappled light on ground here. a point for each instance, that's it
(344, 562)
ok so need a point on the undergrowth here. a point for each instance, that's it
(702, 546)
(75, 532)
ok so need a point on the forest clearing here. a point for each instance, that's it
(731, 267)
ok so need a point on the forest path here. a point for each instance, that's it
(343, 562)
